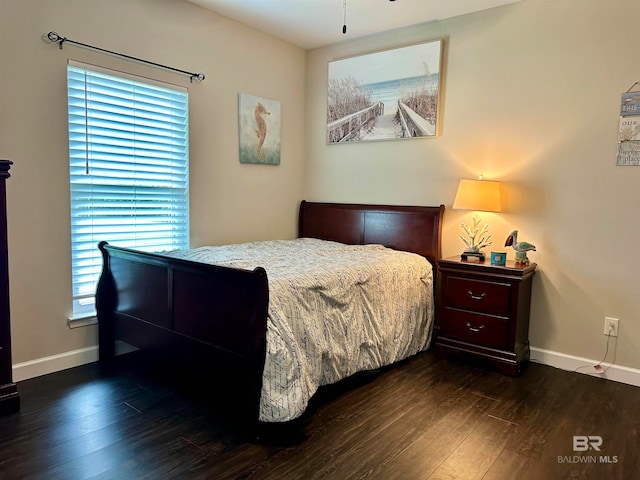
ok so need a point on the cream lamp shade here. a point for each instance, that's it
(480, 195)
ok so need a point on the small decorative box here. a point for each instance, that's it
(498, 258)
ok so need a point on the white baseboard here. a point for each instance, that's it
(75, 358)
(617, 373)
(62, 361)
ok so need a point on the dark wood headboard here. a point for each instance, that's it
(407, 228)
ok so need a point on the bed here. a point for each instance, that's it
(229, 308)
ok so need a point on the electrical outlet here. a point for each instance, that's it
(611, 326)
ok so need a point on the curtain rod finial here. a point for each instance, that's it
(198, 77)
(53, 37)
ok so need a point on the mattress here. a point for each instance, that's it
(334, 310)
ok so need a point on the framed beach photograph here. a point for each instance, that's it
(392, 94)
(259, 129)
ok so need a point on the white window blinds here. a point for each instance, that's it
(129, 171)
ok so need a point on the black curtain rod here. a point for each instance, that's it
(54, 37)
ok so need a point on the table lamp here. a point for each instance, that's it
(482, 196)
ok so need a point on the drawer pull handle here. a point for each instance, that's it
(474, 329)
(476, 297)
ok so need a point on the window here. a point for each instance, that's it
(129, 170)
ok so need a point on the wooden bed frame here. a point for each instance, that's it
(217, 316)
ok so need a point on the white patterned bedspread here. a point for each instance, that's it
(334, 310)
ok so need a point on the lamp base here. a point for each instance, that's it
(477, 255)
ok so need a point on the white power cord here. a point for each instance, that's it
(598, 367)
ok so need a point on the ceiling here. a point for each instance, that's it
(316, 23)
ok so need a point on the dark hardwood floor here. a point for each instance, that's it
(424, 418)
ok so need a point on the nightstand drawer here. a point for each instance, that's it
(478, 295)
(475, 328)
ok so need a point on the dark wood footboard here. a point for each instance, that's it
(182, 309)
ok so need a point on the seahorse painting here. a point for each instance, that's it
(261, 131)
(259, 134)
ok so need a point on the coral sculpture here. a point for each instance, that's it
(474, 232)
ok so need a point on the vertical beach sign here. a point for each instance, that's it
(629, 130)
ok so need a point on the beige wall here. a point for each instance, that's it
(531, 94)
(531, 98)
(229, 201)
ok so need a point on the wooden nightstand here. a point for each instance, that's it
(483, 310)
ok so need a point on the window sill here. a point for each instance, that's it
(82, 321)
